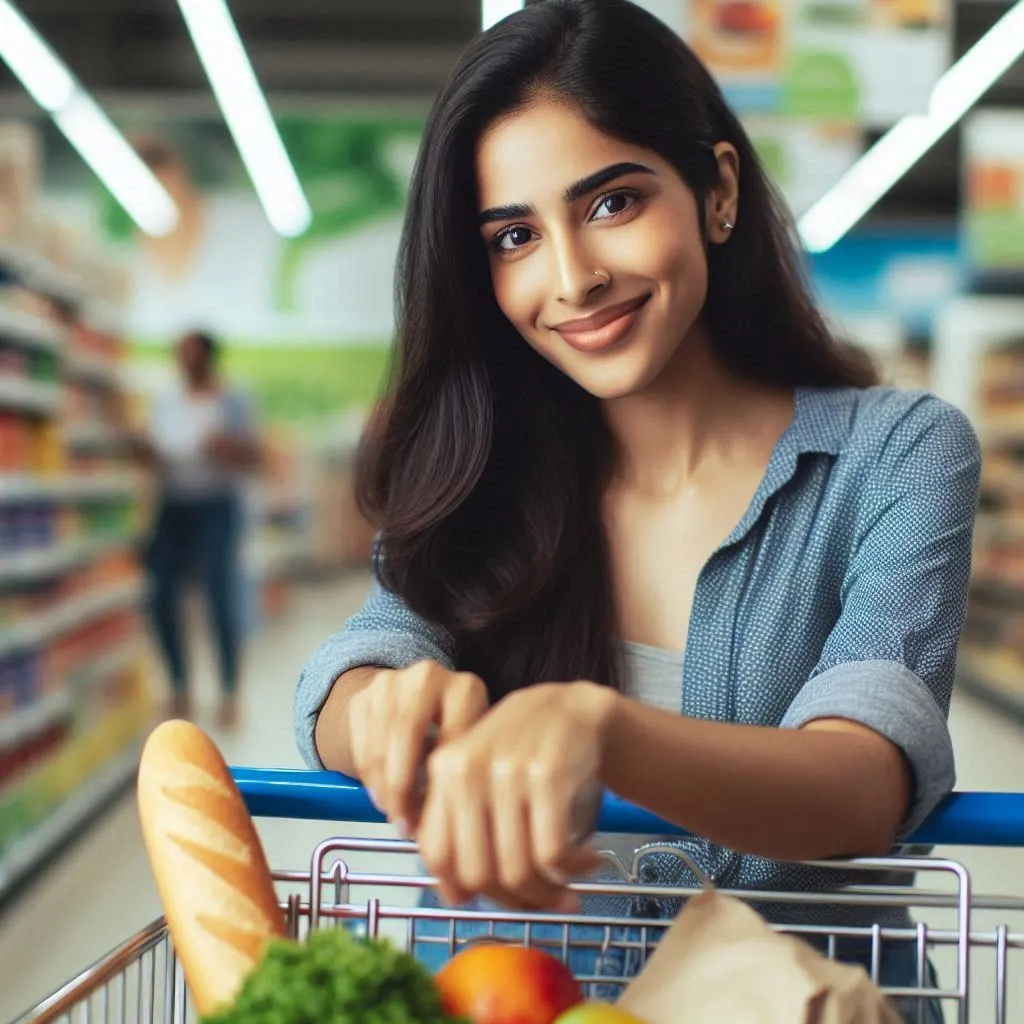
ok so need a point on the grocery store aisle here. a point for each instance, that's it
(101, 891)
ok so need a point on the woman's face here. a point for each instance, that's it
(594, 244)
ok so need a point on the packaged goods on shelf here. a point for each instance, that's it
(73, 699)
(991, 656)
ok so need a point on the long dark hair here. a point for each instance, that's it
(484, 465)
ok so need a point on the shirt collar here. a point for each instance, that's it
(822, 420)
(821, 423)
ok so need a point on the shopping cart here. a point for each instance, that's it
(141, 981)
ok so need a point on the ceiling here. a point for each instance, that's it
(340, 51)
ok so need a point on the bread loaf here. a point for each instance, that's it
(210, 868)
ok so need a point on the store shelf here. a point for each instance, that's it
(104, 316)
(52, 707)
(269, 559)
(92, 369)
(995, 676)
(35, 565)
(30, 331)
(93, 435)
(20, 487)
(70, 616)
(41, 275)
(29, 396)
(31, 851)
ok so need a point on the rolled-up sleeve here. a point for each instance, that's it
(889, 662)
(384, 633)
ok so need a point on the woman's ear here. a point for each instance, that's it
(723, 200)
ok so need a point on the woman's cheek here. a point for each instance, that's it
(519, 297)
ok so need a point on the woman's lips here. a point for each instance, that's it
(602, 329)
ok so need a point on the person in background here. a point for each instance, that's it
(202, 442)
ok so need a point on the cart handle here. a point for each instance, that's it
(962, 819)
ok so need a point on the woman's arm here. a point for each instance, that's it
(498, 818)
(832, 788)
(332, 735)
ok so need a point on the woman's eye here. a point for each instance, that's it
(513, 238)
(611, 206)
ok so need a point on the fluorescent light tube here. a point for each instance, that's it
(38, 68)
(247, 115)
(50, 83)
(116, 164)
(903, 145)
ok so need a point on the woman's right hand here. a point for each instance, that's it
(391, 723)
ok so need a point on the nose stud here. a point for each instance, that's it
(605, 279)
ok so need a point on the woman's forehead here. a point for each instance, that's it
(534, 155)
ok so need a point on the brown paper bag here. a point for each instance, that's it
(720, 962)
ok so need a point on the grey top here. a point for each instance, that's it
(840, 593)
(653, 675)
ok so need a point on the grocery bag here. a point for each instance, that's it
(720, 962)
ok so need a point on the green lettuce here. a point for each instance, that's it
(336, 978)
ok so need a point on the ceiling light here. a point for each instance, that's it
(247, 115)
(492, 11)
(112, 158)
(99, 143)
(904, 144)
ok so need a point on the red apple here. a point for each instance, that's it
(499, 984)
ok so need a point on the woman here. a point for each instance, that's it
(618, 432)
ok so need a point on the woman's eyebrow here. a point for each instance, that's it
(575, 191)
(594, 181)
(510, 212)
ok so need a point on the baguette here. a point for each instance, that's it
(208, 862)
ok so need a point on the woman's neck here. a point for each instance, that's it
(693, 418)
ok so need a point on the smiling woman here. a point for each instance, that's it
(644, 522)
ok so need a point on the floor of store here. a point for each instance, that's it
(100, 891)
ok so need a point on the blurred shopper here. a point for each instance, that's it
(203, 443)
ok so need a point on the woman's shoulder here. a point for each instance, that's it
(895, 421)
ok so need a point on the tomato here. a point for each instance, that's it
(501, 984)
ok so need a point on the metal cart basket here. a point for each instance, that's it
(975, 941)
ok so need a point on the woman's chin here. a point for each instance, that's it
(611, 383)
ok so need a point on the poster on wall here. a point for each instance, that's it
(306, 321)
(993, 207)
(804, 158)
(865, 61)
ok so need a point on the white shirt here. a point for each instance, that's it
(182, 424)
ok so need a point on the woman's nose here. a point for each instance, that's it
(574, 273)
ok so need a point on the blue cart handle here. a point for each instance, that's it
(962, 819)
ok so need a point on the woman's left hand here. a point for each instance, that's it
(498, 816)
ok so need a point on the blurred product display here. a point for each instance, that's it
(74, 700)
(979, 364)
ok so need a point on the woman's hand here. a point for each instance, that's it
(391, 722)
(499, 813)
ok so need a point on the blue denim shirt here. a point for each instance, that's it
(841, 593)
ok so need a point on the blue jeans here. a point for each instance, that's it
(197, 535)
(599, 952)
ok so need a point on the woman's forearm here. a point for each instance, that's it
(830, 789)
(332, 731)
